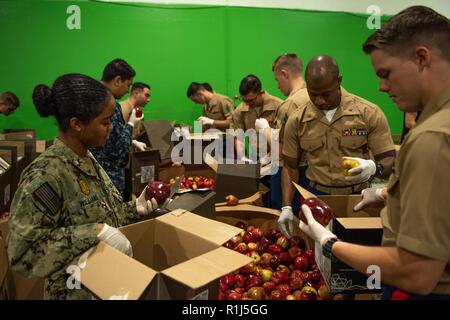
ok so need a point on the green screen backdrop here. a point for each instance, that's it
(171, 46)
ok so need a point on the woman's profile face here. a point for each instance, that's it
(95, 133)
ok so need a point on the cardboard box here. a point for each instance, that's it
(343, 205)
(20, 134)
(144, 168)
(9, 154)
(176, 256)
(157, 134)
(5, 275)
(339, 276)
(6, 181)
(201, 203)
(197, 144)
(42, 145)
(240, 180)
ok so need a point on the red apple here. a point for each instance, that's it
(279, 277)
(297, 294)
(306, 277)
(269, 286)
(265, 241)
(230, 199)
(283, 268)
(272, 234)
(253, 281)
(138, 112)
(296, 283)
(262, 248)
(241, 248)
(241, 224)
(283, 242)
(294, 252)
(321, 212)
(276, 295)
(309, 254)
(296, 274)
(227, 281)
(284, 289)
(158, 190)
(291, 297)
(285, 258)
(233, 295)
(275, 261)
(256, 293)
(228, 244)
(296, 241)
(265, 259)
(248, 268)
(252, 246)
(256, 257)
(256, 234)
(300, 263)
(239, 280)
(308, 293)
(236, 240)
(275, 249)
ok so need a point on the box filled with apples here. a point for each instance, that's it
(195, 183)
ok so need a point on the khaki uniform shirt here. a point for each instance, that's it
(418, 203)
(357, 127)
(59, 202)
(244, 117)
(220, 107)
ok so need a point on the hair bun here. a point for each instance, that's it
(43, 100)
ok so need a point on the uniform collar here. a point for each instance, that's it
(293, 92)
(345, 108)
(267, 104)
(61, 149)
(435, 104)
(214, 100)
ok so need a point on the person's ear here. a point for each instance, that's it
(284, 73)
(75, 124)
(117, 81)
(422, 57)
(340, 80)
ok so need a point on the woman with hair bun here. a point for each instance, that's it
(66, 203)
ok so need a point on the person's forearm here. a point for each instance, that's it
(398, 267)
(288, 175)
(221, 124)
(388, 164)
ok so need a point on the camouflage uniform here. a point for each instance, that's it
(54, 214)
(113, 156)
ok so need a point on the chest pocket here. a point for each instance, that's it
(311, 145)
(354, 146)
(89, 209)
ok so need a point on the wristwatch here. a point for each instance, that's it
(379, 169)
(326, 250)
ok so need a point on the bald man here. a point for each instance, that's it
(333, 124)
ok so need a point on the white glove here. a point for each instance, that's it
(261, 124)
(144, 206)
(372, 197)
(246, 160)
(133, 120)
(115, 239)
(140, 146)
(205, 121)
(315, 230)
(286, 218)
(363, 172)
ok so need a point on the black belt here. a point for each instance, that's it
(354, 188)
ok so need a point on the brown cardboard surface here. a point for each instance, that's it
(201, 203)
(158, 135)
(141, 237)
(343, 205)
(4, 228)
(305, 193)
(214, 231)
(27, 288)
(168, 172)
(19, 144)
(249, 200)
(361, 223)
(207, 267)
(144, 168)
(40, 146)
(11, 134)
(130, 277)
(3, 261)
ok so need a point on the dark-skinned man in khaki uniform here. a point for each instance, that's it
(411, 56)
(256, 104)
(332, 125)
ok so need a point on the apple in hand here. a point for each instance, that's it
(348, 164)
(138, 112)
(321, 212)
(158, 190)
(231, 200)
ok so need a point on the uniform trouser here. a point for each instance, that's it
(392, 293)
(274, 183)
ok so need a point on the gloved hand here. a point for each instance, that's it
(115, 239)
(261, 124)
(140, 146)
(133, 120)
(144, 206)
(246, 160)
(363, 172)
(286, 219)
(205, 121)
(315, 230)
(372, 197)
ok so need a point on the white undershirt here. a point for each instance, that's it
(329, 114)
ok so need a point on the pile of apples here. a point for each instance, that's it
(282, 268)
(197, 182)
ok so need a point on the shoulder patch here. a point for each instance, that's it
(48, 198)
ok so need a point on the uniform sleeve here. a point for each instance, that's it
(283, 113)
(129, 214)
(238, 122)
(291, 143)
(226, 107)
(424, 201)
(119, 141)
(37, 245)
(379, 139)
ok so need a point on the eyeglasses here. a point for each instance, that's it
(250, 100)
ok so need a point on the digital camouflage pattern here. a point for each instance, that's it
(60, 200)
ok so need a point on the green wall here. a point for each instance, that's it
(170, 46)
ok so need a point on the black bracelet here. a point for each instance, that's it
(379, 169)
(326, 250)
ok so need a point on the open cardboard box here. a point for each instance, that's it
(175, 256)
(201, 203)
(339, 276)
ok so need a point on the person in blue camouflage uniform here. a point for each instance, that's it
(113, 156)
(66, 203)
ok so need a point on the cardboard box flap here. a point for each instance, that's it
(211, 162)
(305, 193)
(360, 223)
(207, 267)
(111, 274)
(211, 230)
(251, 209)
(248, 170)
